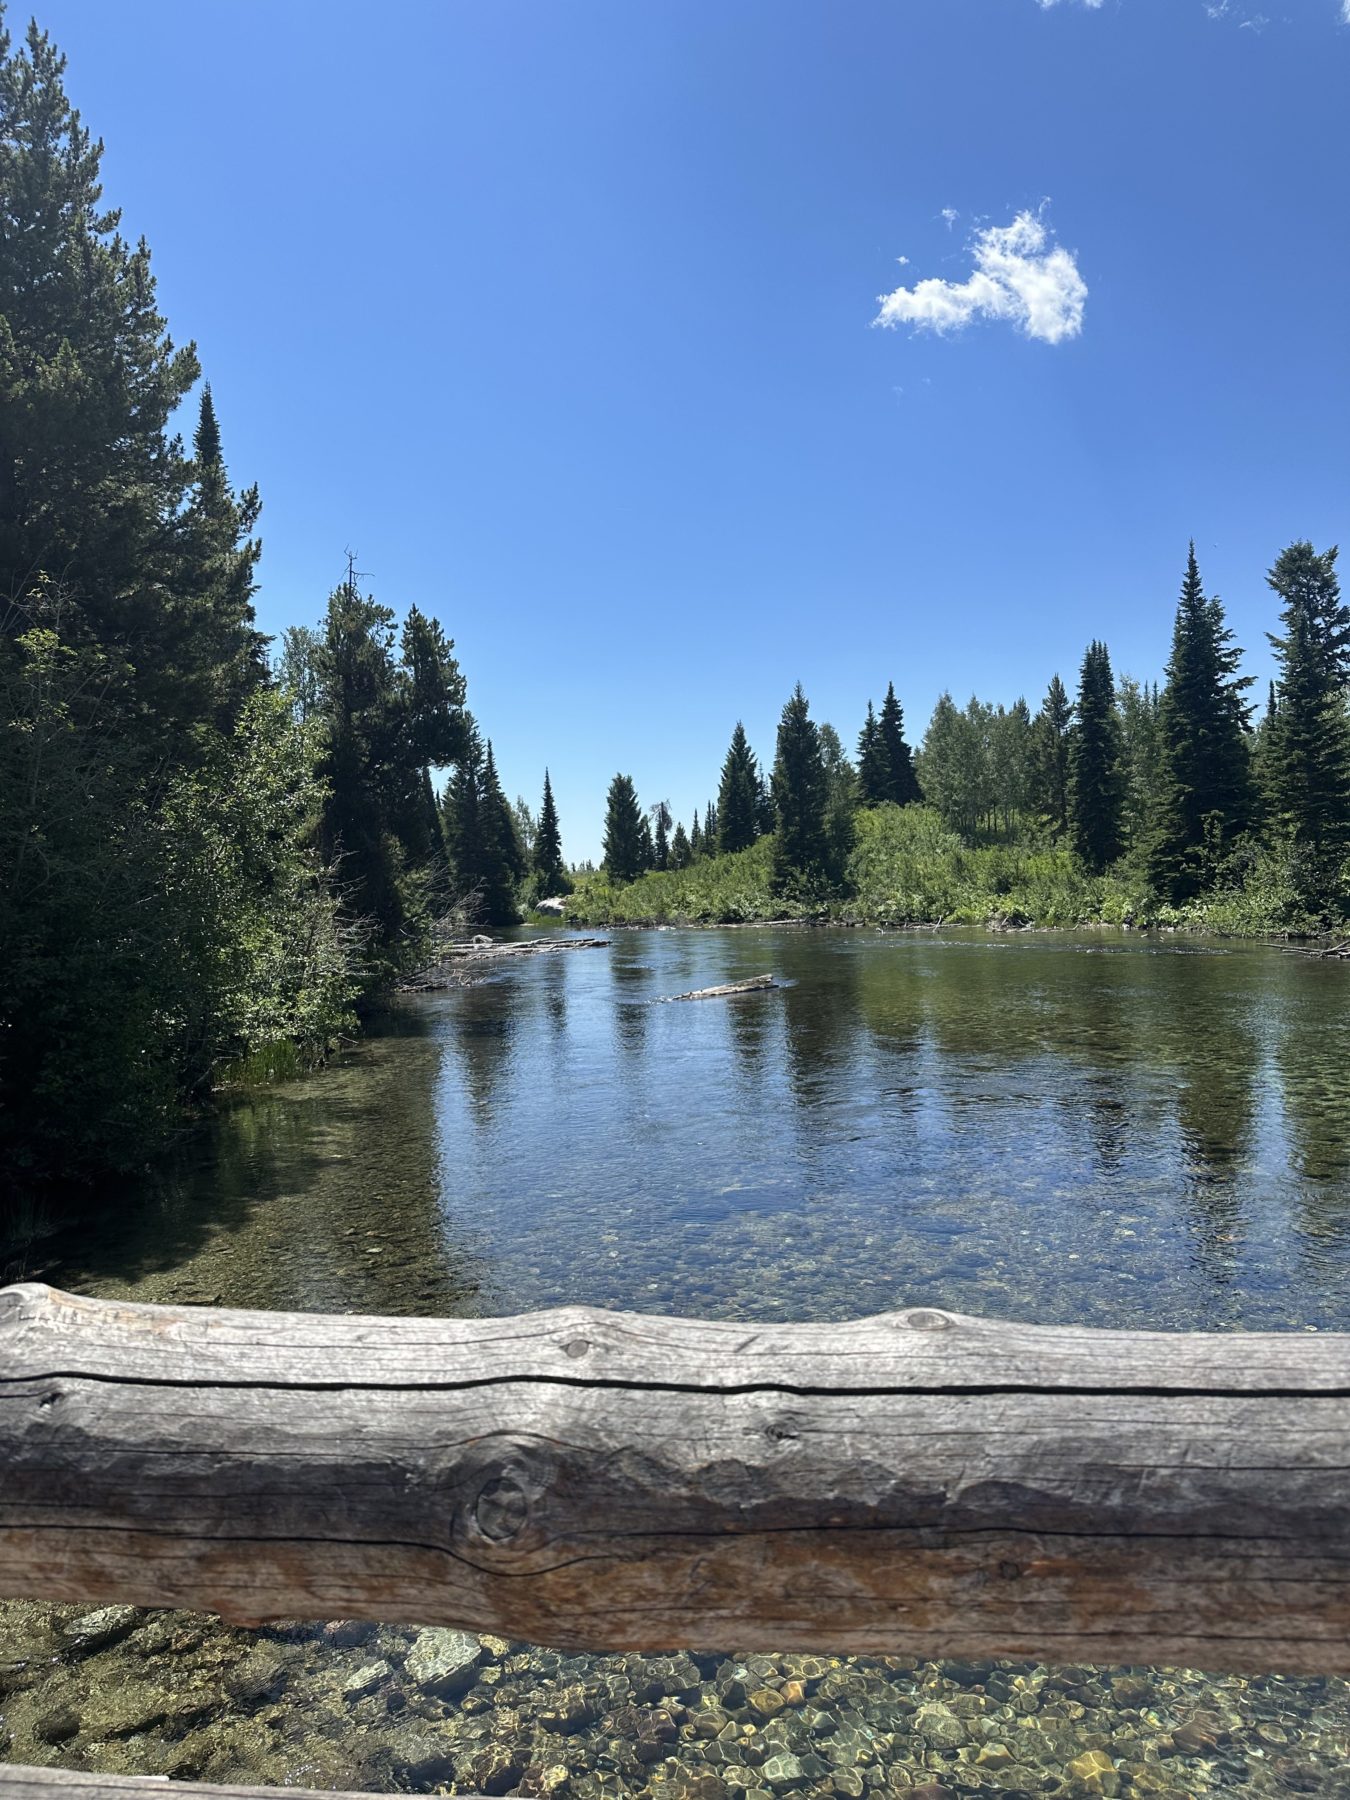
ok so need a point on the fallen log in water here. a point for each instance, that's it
(919, 1483)
(456, 964)
(753, 984)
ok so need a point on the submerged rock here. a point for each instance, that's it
(366, 1679)
(443, 1662)
(96, 1630)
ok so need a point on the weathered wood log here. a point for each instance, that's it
(458, 964)
(19, 1783)
(753, 984)
(918, 1482)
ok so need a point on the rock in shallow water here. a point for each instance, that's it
(443, 1662)
(96, 1630)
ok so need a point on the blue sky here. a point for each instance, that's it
(562, 317)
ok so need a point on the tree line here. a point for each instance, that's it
(1179, 780)
(212, 850)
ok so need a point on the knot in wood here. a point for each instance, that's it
(575, 1347)
(501, 1509)
(925, 1318)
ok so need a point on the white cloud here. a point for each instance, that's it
(1020, 275)
(1092, 5)
(1345, 12)
(950, 214)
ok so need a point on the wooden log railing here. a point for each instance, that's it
(918, 1482)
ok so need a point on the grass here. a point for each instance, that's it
(908, 868)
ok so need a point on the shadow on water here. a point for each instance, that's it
(322, 1194)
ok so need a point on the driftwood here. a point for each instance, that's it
(754, 984)
(920, 1482)
(457, 964)
(18, 1783)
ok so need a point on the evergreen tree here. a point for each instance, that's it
(548, 857)
(661, 838)
(625, 852)
(503, 860)
(1204, 777)
(738, 796)
(680, 853)
(841, 802)
(712, 829)
(1308, 749)
(873, 765)
(1138, 706)
(765, 819)
(800, 793)
(695, 839)
(361, 769)
(1051, 732)
(901, 783)
(1094, 766)
(162, 906)
(152, 551)
(428, 733)
(463, 822)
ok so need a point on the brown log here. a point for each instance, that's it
(753, 984)
(919, 1482)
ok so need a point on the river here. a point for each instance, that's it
(1085, 1127)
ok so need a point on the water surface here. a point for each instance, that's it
(1062, 1127)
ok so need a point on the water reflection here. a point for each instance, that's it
(322, 1195)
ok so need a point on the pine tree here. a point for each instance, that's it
(738, 796)
(712, 829)
(841, 802)
(1050, 759)
(428, 735)
(503, 861)
(902, 784)
(362, 772)
(1138, 707)
(800, 793)
(680, 853)
(463, 822)
(1308, 751)
(695, 839)
(1094, 766)
(873, 764)
(625, 854)
(549, 866)
(152, 552)
(661, 839)
(214, 627)
(1204, 777)
(766, 820)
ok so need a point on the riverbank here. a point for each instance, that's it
(907, 868)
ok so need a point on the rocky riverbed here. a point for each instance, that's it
(359, 1706)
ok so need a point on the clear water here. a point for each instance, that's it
(1065, 1127)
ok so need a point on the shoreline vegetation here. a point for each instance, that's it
(907, 870)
